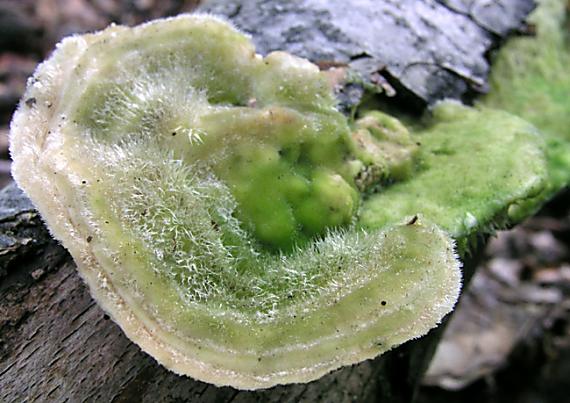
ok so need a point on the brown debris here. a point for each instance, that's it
(518, 303)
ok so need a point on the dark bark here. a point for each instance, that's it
(425, 50)
(56, 343)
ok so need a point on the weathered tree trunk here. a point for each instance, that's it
(420, 51)
(57, 344)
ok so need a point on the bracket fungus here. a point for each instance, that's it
(234, 224)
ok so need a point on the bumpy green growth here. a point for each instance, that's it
(530, 78)
(477, 169)
(284, 172)
(267, 127)
(272, 135)
(384, 145)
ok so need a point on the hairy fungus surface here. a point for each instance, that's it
(233, 223)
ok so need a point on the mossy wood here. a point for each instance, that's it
(530, 79)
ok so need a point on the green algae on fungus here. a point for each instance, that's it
(478, 170)
(530, 79)
(385, 148)
(208, 196)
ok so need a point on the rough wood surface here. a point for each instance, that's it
(56, 344)
(425, 50)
